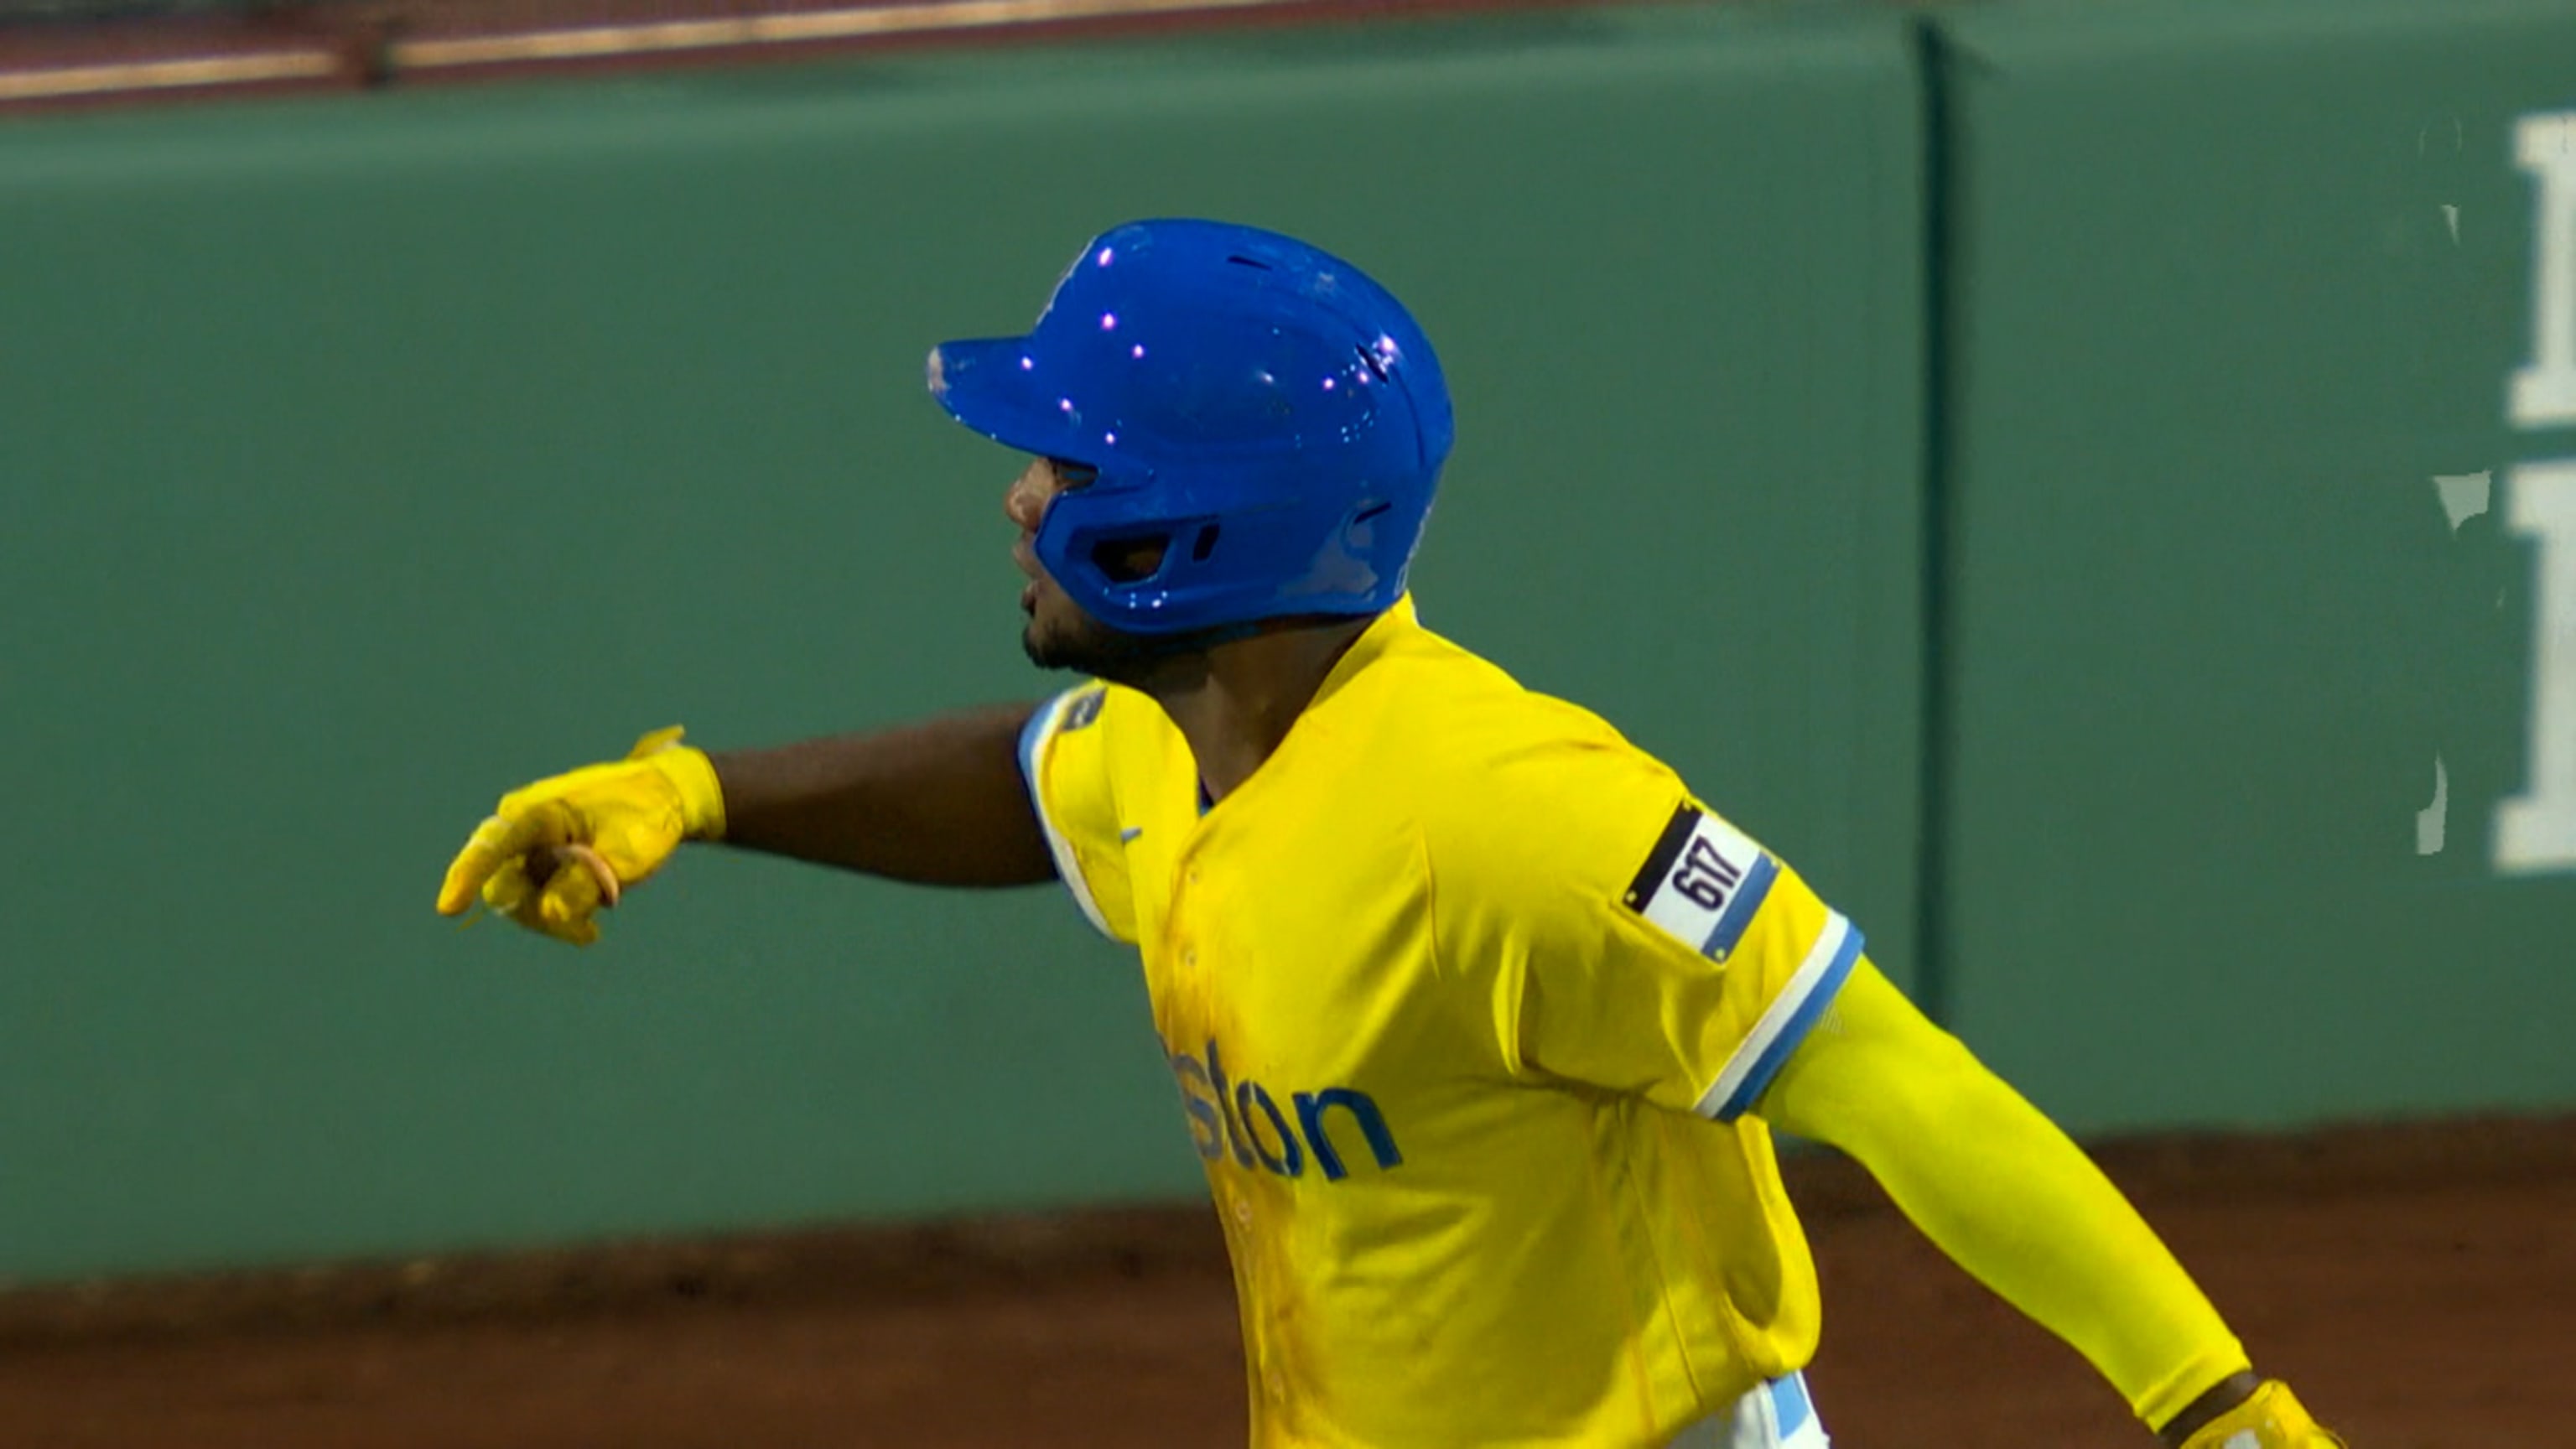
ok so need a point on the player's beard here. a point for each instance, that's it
(1103, 651)
(1086, 646)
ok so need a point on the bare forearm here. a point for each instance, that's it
(939, 803)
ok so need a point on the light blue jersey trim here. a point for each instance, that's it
(1801, 1021)
(1773, 1415)
(1034, 735)
(1790, 1402)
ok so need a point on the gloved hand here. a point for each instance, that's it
(2270, 1418)
(553, 853)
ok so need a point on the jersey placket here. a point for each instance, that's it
(1194, 1011)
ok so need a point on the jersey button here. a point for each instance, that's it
(1194, 875)
(1190, 957)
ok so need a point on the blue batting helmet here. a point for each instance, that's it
(1266, 412)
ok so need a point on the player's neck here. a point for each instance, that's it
(1237, 702)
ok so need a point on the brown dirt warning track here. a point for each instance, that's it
(2417, 1283)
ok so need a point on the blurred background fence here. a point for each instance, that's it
(2054, 470)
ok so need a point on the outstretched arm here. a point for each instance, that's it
(937, 803)
(1996, 1186)
(940, 803)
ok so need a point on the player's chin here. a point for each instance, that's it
(1049, 644)
(1069, 640)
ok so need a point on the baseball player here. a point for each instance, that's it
(1480, 1019)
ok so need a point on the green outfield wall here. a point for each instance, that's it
(2092, 482)
(2248, 557)
(359, 458)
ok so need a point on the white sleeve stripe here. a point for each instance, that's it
(1041, 728)
(1812, 974)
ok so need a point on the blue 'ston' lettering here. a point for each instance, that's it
(1243, 1120)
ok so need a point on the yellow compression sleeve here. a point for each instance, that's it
(2004, 1193)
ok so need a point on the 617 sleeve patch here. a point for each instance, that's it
(1703, 882)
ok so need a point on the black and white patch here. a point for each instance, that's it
(1702, 882)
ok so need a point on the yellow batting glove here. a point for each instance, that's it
(616, 822)
(2270, 1418)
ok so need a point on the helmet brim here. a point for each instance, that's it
(987, 383)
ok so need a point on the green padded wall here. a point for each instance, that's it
(365, 457)
(2244, 637)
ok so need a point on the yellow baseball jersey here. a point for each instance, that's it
(1465, 998)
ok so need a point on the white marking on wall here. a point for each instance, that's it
(2432, 821)
(2544, 393)
(2536, 830)
(2451, 218)
(2464, 495)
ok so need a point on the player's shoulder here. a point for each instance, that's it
(1086, 739)
(1505, 777)
(1482, 712)
(1486, 721)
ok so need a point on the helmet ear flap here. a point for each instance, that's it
(1155, 555)
(1131, 558)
